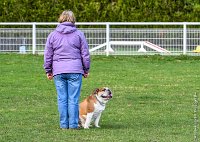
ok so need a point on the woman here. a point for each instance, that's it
(66, 59)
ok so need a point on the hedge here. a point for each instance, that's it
(101, 10)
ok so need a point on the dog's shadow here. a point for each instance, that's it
(113, 126)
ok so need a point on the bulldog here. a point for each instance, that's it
(91, 108)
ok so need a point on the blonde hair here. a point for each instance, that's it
(67, 16)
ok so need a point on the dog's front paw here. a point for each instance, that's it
(97, 126)
(86, 127)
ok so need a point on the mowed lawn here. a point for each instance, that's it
(153, 100)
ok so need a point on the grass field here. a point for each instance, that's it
(153, 100)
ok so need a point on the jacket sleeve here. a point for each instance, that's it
(48, 55)
(85, 55)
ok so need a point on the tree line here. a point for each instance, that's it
(101, 10)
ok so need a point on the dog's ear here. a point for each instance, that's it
(96, 91)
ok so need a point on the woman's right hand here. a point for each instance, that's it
(86, 75)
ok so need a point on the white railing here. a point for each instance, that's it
(109, 38)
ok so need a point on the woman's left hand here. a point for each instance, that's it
(50, 76)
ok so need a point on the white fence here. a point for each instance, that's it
(130, 38)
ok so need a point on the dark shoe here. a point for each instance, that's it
(75, 128)
(64, 128)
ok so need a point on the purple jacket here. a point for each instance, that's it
(66, 51)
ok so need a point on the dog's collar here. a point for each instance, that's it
(101, 103)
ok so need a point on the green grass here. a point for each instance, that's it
(153, 99)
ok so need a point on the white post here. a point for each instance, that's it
(34, 38)
(107, 38)
(184, 38)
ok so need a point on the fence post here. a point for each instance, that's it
(107, 38)
(184, 38)
(34, 38)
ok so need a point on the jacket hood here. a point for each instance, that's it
(66, 28)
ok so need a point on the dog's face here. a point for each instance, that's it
(103, 94)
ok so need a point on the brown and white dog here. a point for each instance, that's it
(91, 108)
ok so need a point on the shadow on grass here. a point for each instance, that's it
(114, 126)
